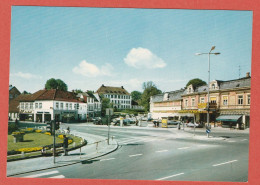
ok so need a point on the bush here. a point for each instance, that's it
(12, 127)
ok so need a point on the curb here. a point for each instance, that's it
(62, 165)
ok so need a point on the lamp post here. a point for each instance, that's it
(209, 53)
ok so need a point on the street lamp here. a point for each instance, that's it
(209, 53)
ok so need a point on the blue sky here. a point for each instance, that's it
(88, 47)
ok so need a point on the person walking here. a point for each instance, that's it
(65, 145)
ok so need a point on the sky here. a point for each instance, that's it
(88, 47)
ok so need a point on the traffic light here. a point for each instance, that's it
(57, 125)
(49, 127)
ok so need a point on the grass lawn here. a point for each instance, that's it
(32, 140)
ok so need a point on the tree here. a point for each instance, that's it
(105, 103)
(196, 82)
(56, 84)
(136, 95)
(25, 92)
(77, 91)
(150, 89)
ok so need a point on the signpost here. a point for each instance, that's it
(208, 131)
(53, 131)
(109, 112)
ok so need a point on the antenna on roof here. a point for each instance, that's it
(239, 71)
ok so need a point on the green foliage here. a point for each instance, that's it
(136, 95)
(196, 82)
(12, 127)
(150, 89)
(105, 103)
(56, 84)
(25, 92)
(77, 91)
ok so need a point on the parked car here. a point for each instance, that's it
(192, 125)
(97, 120)
(172, 122)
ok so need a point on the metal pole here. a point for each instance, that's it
(194, 125)
(108, 128)
(208, 93)
(53, 129)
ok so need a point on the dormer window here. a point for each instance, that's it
(166, 97)
(213, 86)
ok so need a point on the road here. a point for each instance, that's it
(157, 154)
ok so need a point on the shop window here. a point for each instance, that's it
(240, 100)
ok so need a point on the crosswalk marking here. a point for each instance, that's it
(42, 174)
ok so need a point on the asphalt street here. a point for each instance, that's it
(161, 154)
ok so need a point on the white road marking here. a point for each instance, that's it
(231, 141)
(243, 139)
(135, 155)
(107, 159)
(224, 163)
(162, 151)
(42, 174)
(135, 140)
(183, 148)
(170, 176)
(58, 176)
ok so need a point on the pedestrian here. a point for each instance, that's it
(179, 126)
(68, 130)
(65, 145)
(43, 151)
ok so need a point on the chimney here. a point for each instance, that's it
(122, 87)
(103, 85)
(248, 74)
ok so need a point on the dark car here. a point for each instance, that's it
(97, 120)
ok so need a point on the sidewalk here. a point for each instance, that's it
(88, 152)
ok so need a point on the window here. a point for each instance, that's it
(193, 102)
(70, 105)
(190, 90)
(40, 105)
(75, 106)
(186, 103)
(248, 99)
(225, 100)
(57, 105)
(22, 105)
(213, 99)
(67, 105)
(202, 100)
(240, 100)
(61, 105)
(213, 86)
(26, 105)
(36, 105)
(112, 96)
(31, 105)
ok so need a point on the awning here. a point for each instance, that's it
(232, 118)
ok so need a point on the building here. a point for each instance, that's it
(93, 103)
(118, 96)
(45, 105)
(13, 92)
(14, 107)
(229, 103)
(167, 104)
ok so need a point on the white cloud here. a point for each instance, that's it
(91, 70)
(26, 75)
(143, 58)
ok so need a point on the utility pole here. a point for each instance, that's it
(53, 131)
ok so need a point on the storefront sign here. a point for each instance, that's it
(192, 111)
(202, 105)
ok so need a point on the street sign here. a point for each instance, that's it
(208, 131)
(109, 111)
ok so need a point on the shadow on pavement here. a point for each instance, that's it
(89, 161)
